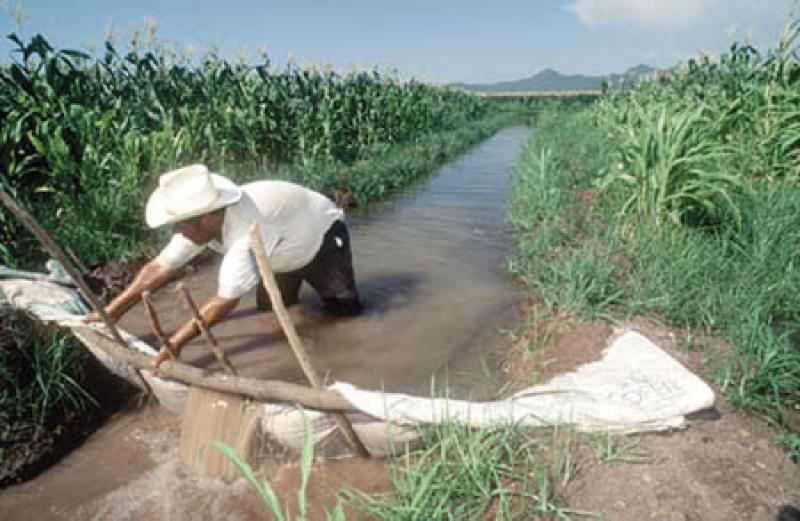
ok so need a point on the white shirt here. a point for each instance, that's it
(293, 221)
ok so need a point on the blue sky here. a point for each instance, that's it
(440, 41)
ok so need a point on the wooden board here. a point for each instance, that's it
(214, 416)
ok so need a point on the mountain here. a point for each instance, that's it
(550, 80)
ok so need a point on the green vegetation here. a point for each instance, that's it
(42, 379)
(265, 491)
(680, 200)
(82, 139)
(48, 369)
(507, 472)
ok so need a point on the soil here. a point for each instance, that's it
(725, 465)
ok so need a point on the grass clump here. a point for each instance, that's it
(265, 491)
(504, 472)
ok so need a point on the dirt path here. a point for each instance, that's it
(725, 465)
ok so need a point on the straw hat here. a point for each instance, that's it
(188, 192)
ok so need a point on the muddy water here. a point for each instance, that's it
(430, 267)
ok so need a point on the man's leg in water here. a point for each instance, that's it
(331, 274)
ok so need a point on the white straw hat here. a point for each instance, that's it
(188, 192)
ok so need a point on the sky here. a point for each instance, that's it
(438, 41)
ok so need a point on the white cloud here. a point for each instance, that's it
(648, 13)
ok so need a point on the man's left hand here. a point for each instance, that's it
(165, 353)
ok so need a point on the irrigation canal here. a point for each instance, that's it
(430, 265)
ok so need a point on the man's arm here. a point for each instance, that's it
(212, 312)
(151, 277)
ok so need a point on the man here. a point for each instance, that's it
(302, 232)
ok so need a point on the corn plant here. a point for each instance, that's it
(82, 139)
(690, 142)
(672, 169)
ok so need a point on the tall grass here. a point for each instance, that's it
(44, 396)
(504, 472)
(40, 374)
(680, 199)
(265, 491)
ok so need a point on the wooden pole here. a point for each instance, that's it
(213, 344)
(268, 279)
(53, 249)
(80, 265)
(256, 388)
(155, 324)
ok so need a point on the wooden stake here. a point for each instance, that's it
(81, 266)
(268, 279)
(53, 249)
(213, 344)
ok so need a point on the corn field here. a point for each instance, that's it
(82, 138)
(691, 144)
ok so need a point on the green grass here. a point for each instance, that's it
(504, 472)
(711, 254)
(40, 373)
(266, 493)
(45, 406)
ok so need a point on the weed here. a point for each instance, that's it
(610, 448)
(265, 491)
(791, 444)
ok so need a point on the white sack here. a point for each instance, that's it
(635, 387)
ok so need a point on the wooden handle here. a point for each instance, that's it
(268, 279)
(212, 341)
(155, 324)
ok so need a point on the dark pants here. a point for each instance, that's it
(330, 273)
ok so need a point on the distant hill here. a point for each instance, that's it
(550, 80)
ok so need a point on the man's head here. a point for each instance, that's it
(191, 199)
(202, 228)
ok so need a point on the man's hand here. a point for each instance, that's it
(165, 353)
(213, 311)
(151, 277)
(94, 316)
